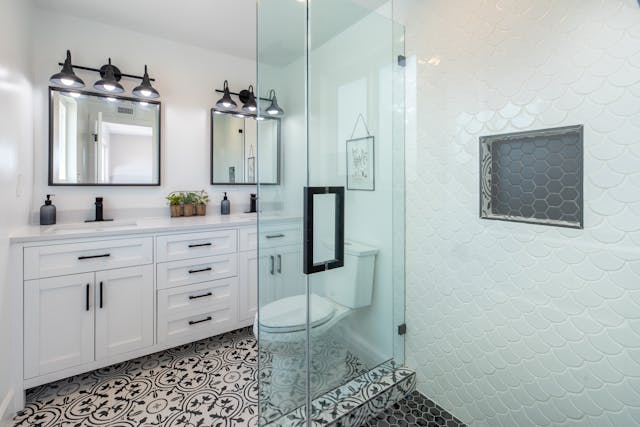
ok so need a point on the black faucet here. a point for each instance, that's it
(99, 212)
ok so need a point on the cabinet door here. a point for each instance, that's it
(58, 323)
(288, 268)
(124, 310)
(248, 292)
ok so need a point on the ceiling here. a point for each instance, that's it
(227, 26)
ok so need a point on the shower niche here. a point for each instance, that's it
(533, 177)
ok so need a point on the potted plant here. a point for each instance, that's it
(189, 200)
(175, 200)
(202, 199)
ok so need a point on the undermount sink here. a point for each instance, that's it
(84, 227)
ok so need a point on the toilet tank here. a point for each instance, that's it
(352, 285)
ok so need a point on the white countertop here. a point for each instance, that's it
(41, 233)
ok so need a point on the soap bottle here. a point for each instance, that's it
(225, 205)
(48, 212)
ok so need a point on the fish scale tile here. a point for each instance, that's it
(517, 324)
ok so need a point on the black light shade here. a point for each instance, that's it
(109, 83)
(274, 109)
(145, 90)
(226, 102)
(250, 106)
(66, 77)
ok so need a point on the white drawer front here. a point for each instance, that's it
(195, 245)
(72, 258)
(281, 235)
(248, 239)
(196, 311)
(197, 270)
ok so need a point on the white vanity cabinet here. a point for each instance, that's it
(90, 300)
(78, 316)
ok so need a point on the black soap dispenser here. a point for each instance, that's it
(48, 212)
(225, 205)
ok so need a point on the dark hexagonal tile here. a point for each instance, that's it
(554, 172)
(554, 186)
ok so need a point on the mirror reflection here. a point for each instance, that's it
(100, 140)
(234, 147)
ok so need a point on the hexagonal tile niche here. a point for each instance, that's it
(533, 177)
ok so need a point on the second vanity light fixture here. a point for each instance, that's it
(109, 82)
(249, 101)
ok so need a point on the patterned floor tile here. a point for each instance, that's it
(415, 410)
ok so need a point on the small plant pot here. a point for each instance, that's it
(201, 209)
(176, 210)
(189, 210)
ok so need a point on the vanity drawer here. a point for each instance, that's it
(248, 239)
(196, 311)
(195, 245)
(280, 235)
(72, 258)
(185, 272)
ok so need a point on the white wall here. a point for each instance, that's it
(16, 149)
(186, 79)
(515, 324)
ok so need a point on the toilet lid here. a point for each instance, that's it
(289, 314)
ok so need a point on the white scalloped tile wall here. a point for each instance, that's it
(514, 324)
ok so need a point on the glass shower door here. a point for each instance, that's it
(331, 234)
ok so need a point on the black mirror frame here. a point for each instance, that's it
(124, 98)
(278, 148)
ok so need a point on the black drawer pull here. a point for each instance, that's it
(87, 303)
(208, 294)
(194, 322)
(199, 245)
(94, 256)
(200, 270)
(275, 236)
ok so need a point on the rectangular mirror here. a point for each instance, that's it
(234, 146)
(102, 140)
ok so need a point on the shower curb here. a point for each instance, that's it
(355, 402)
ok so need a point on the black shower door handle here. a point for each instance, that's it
(337, 261)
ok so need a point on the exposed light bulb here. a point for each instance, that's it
(109, 87)
(226, 104)
(145, 92)
(272, 112)
(67, 82)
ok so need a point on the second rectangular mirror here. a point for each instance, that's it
(234, 147)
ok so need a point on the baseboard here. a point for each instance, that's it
(360, 348)
(6, 408)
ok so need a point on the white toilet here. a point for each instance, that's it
(343, 289)
(283, 335)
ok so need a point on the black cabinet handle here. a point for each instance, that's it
(279, 263)
(274, 236)
(309, 266)
(200, 270)
(100, 294)
(271, 270)
(94, 256)
(208, 294)
(87, 303)
(199, 245)
(194, 322)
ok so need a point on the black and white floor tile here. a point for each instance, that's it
(415, 410)
(212, 382)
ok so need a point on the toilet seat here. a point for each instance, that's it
(290, 314)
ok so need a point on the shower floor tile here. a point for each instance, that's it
(415, 410)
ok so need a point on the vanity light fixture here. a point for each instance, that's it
(145, 90)
(274, 109)
(226, 102)
(250, 106)
(109, 81)
(66, 77)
